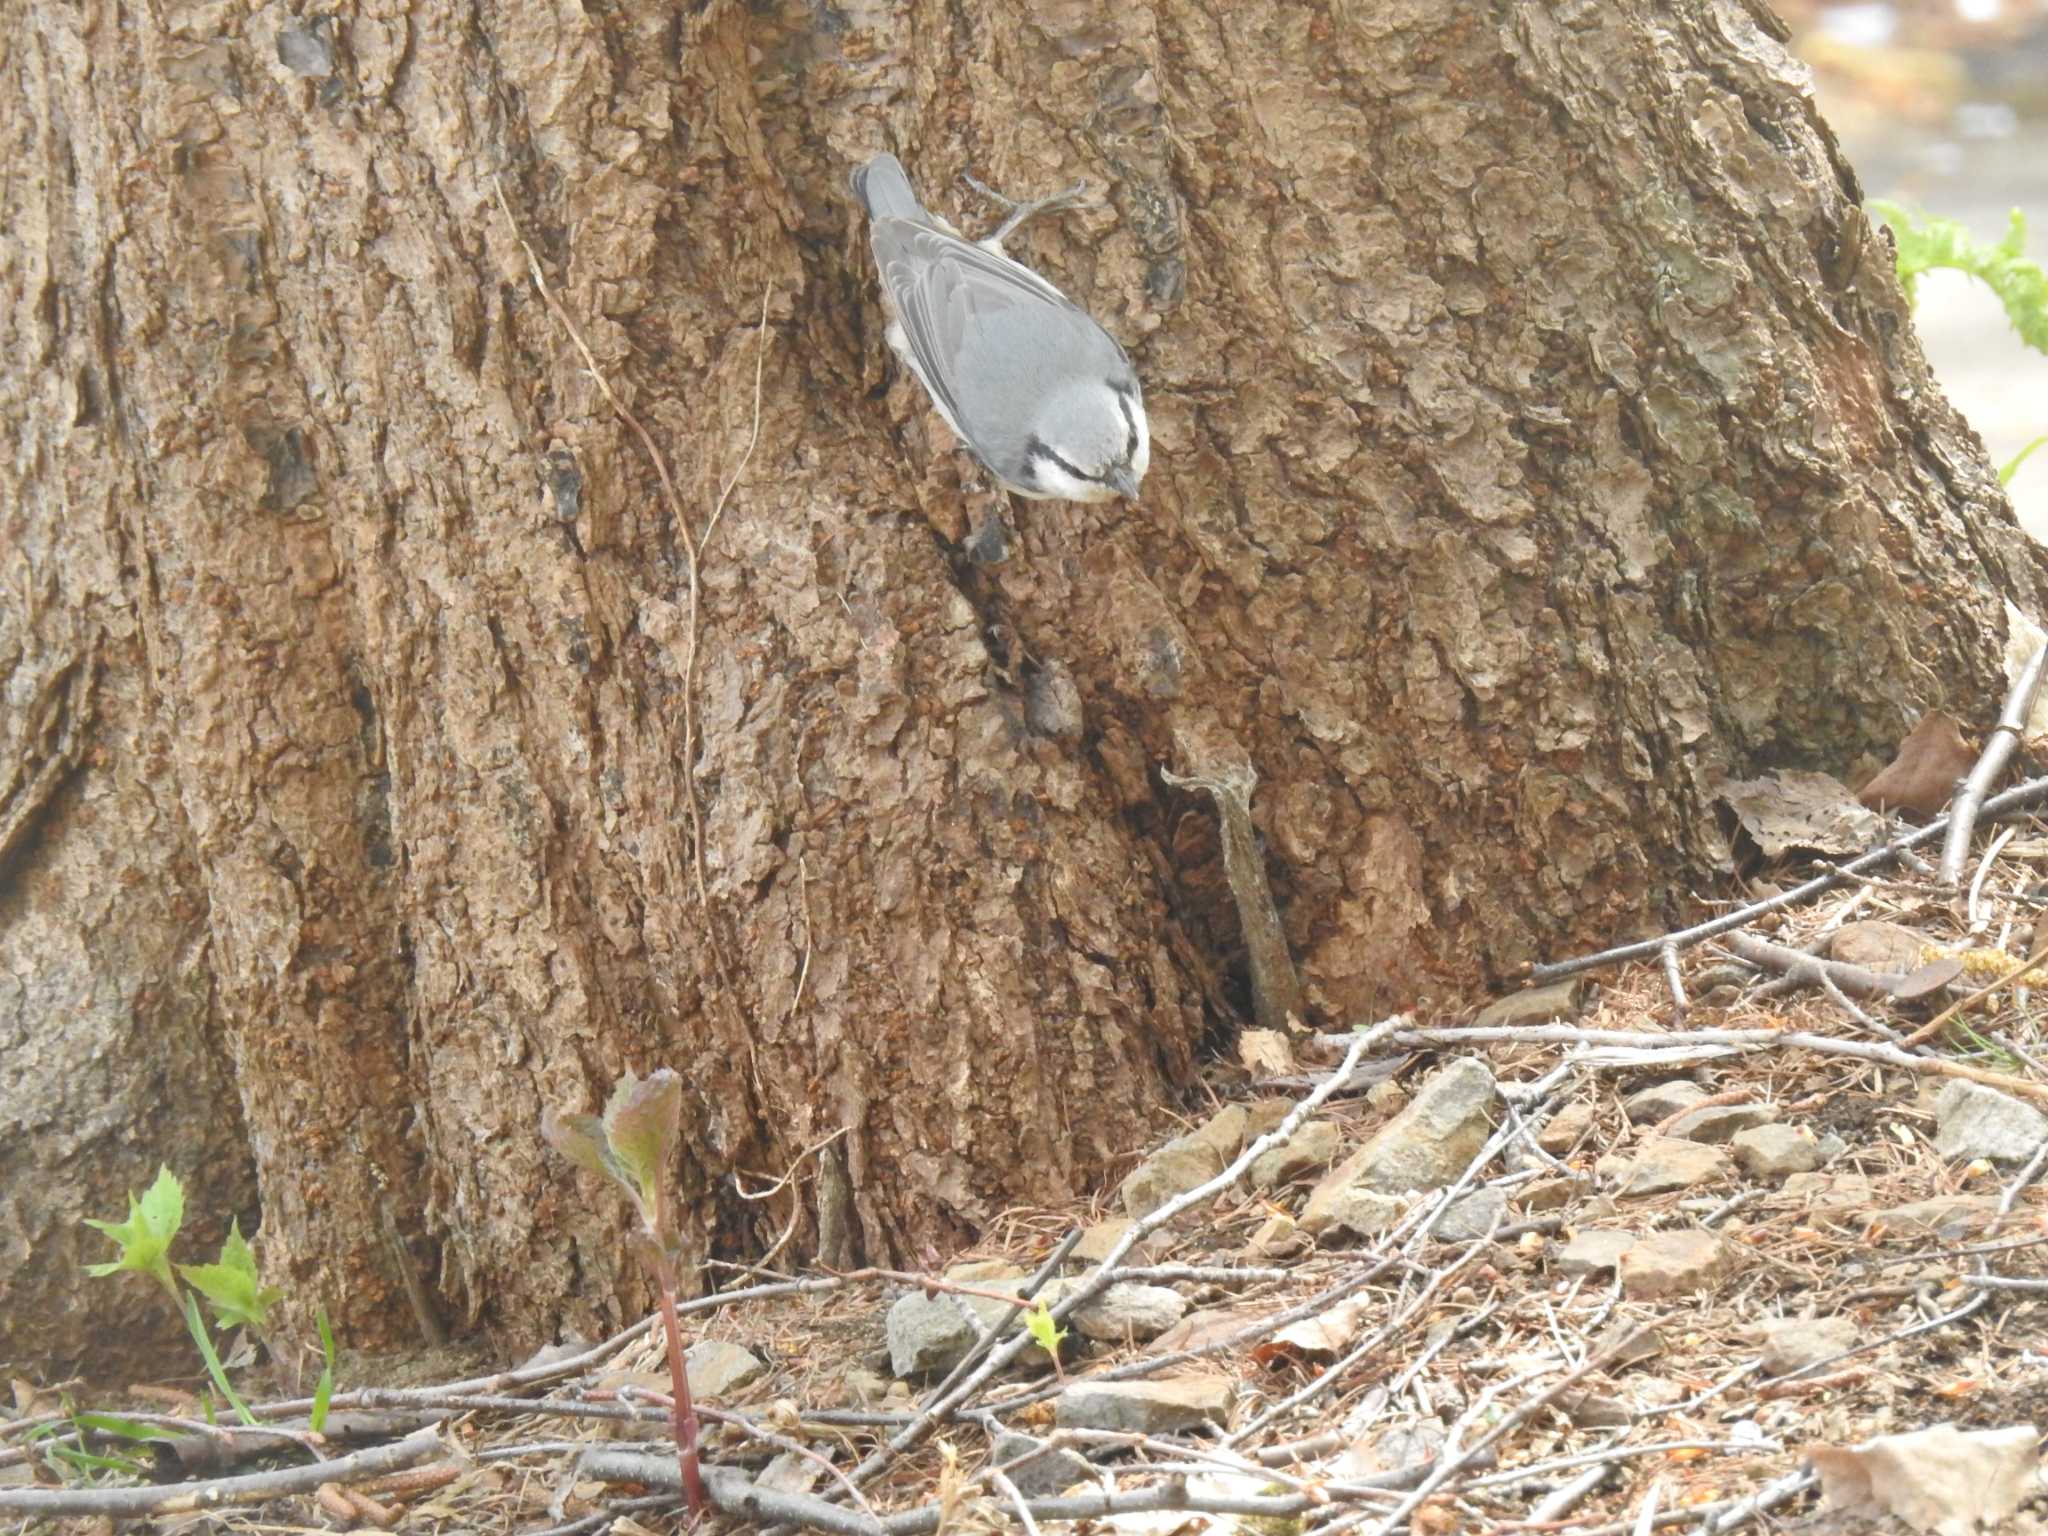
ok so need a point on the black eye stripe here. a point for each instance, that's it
(1036, 449)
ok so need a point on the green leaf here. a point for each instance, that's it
(641, 1124)
(1045, 1333)
(580, 1138)
(126, 1429)
(196, 1326)
(324, 1392)
(145, 1237)
(1927, 244)
(2013, 464)
(232, 1287)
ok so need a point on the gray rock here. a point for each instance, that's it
(1147, 1407)
(1338, 1211)
(1535, 1005)
(1429, 1142)
(1588, 1253)
(718, 1369)
(1879, 945)
(1277, 1238)
(1653, 1106)
(1717, 1124)
(1549, 1194)
(1043, 1475)
(1776, 1151)
(928, 1335)
(1794, 1343)
(1309, 1148)
(1099, 1238)
(1129, 1311)
(1665, 1163)
(1174, 1169)
(1944, 1215)
(1223, 1131)
(1671, 1264)
(1473, 1215)
(1261, 1115)
(1973, 1121)
(1562, 1131)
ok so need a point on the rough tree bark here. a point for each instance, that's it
(1539, 436)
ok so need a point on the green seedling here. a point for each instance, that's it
(631, 1145)
(1045, 1333)
(324, 1392)
(145, 1237)
(231, 1285)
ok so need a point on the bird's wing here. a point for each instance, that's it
(944, 288)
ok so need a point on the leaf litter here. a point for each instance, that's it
(1734, 1248)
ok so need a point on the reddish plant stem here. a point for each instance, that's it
(683, 1413)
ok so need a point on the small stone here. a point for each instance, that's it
(1146, 1407)
(1973, 1121)
(864, 1387)
(1665, 1163)
(1309, 1148)
(1562, 1131)
(1261, 1115)
(1653, 1106)
(1878, 946)
(1277, 1238)
(1045, 1474)
(1671, 1264)
(1534, 1005)
(1336, 1211)
(930, 1334)
(718, 1369)
(1428, 1143)
(1223, 1131)
(1596, 1410)
(1942, 1215)
(1588, 1253)
(1395, 1449)
(1099, 1239)
(1549, 1194)
(1179, 1166)
(1717, 1124)
(1831, 1191)
(1473, 1216)
(1128, 1311)
(1389, 1098)
(1794, 1343)
(1776, 1151)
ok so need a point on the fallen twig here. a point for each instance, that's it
(2019, 795)
(1998, 750)
(218, 1493)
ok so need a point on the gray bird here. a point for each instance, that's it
(1039, 393)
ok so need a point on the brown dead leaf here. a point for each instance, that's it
(1265, 1052)
(1787, 809)
(1322, 1336)
(1922, 778)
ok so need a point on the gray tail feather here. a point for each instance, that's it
(884, 190)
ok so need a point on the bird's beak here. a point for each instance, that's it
(1124, 483)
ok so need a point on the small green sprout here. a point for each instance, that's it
(631, 1145)
(1045, 1333)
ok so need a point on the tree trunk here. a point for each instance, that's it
(1539, 436)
